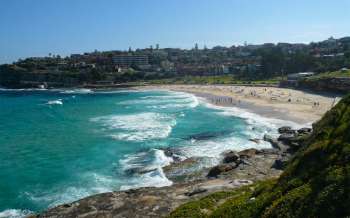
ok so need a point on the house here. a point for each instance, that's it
(128, 60)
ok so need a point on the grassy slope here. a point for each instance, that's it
(316, 182)
(334, 74)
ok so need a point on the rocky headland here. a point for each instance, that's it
(191, 181)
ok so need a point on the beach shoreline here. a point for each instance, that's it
(236, 168)
(293, 105)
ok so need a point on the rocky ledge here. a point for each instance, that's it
(190, 181)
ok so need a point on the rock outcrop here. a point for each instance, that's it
(190, 181)
(336, 84)
(315, 182)
(231, 157)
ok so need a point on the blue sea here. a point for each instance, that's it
(57, 146)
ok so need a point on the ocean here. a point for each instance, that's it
(57, 146)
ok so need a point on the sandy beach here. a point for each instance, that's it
(281, 103)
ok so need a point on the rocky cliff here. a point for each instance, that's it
(316, 182)
(338, 84)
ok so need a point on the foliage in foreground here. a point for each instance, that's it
(316, 182)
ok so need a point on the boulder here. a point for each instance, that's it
(287, 138)
(231, 157)
(139, 170)
(217, 170)
(173, 153)
(195, 192)
(274, 142)
(270, 151)
(286, 129)
(304, 131)
(248, 153)
(185, 170)
(169, 152)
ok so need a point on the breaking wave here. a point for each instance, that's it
(146, 169)
(77, 91)
(93, 184)
(15, 213)
(57, 102)
(172, 100)
(138, 127)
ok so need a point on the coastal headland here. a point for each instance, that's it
(236, 169)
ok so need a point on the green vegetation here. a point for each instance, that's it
(256, 64)
(316, 182)
(340, 73)
(222, 79)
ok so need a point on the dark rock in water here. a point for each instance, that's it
(274, 142)
(168, 152)
(207, 135)
(173, 153)
(180, 165)
(304, 131)
(286, 129)
(217, 170)
(139, 170)
(296, 140)
(196, 191)
(257, 141)
(248, 153)
(231, 157)
(185, 170)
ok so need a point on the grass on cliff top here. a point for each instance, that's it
(316, 182)
(334, 74)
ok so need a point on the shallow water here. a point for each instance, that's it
(63, 145)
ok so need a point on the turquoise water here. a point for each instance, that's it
(59, 146)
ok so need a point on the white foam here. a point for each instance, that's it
(154, 178)
(257, 127)
(15, 213)
(94, 184)
(57, 197)
(151, 179)
(172, 100)
(161, 159)
(57, 102)
(213, 149)
(138, 127)
(29, 89)
(118, 91)
(77, 91)
(253, 118)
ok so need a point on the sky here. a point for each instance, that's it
(31, 28)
